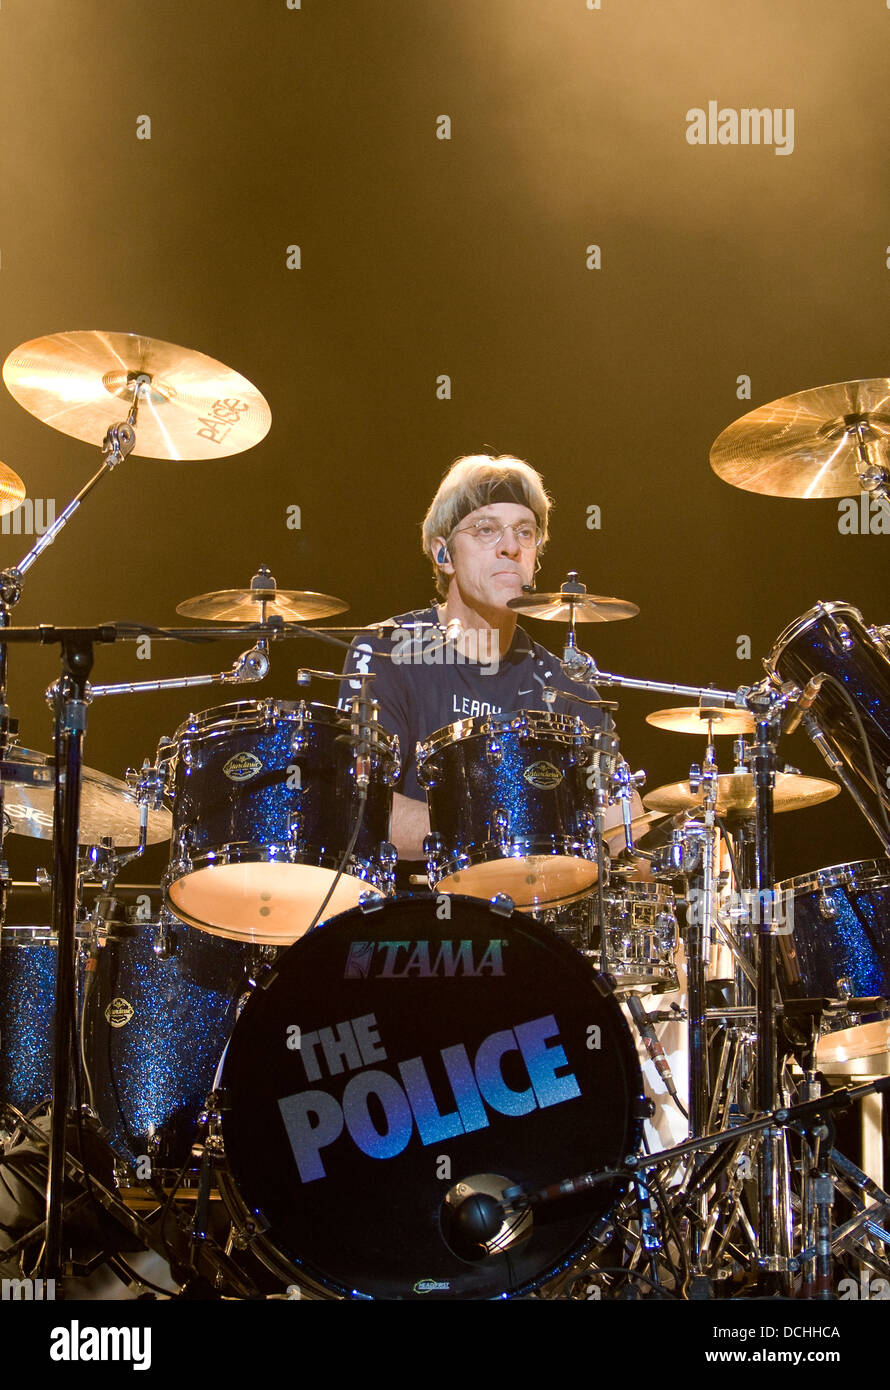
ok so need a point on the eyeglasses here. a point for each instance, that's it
(490, 533)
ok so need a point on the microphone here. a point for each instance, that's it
(808, 697)
(651, 1043)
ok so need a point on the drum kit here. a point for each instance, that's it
(327, 1088)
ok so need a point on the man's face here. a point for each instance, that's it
(487, 575)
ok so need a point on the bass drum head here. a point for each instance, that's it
(402, 1060)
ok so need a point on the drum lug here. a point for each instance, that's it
(499, 825)
(844, 987)
(842, 631)
(387, 858)
(880, 635)
(520, 725)
(164, 945)
(297, 741)
(296, 840)
(827, 905)
(426, 774)
(493, 749)
(186, 753)
(432, 848)
(585, 822)
(181, 863)
(502, 905)
(370, 902)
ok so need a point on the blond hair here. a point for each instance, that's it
(468, 485)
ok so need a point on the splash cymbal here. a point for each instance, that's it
(692, 719)
(573, 604)
(193, 407)
(809, 444)
(736, 794)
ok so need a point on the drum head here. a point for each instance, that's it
(403, 1060)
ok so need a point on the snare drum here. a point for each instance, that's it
(833, 638)
(840, 949)
(642, 939)
(265, 800)
(512, 806)
(400, 1062)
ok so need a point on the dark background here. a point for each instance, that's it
(273, 127)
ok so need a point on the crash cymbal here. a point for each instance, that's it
(736, 795)
(107, 807)
(12, 490)
(692, 719)
(81, 383)
(807, 444)
(255, 605)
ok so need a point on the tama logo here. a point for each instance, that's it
(423, 960)
(746, 126)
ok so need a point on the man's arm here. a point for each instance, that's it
(410, 822)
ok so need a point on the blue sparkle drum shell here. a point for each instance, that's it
(159, 1008)
(28, 963)
(265, 798)
(512, 806)
(839, 949)
(833, 638)
(400, 1059)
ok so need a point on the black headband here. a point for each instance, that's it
(501, 490)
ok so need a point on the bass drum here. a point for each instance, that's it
(401, 1062)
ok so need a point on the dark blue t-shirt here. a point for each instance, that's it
(427, 685)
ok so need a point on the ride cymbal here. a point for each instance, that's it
(193, 407)
(809, 444)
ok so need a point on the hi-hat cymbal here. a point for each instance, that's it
(736, 794)
(107, 807)
(255, 605)
(807, 444)
(692, 719)
(82, 383)
(12, 490)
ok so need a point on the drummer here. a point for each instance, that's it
(483, 534)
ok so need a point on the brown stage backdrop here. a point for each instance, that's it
(424, 229)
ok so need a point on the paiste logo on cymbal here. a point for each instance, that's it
(242, 766)
(542, 775)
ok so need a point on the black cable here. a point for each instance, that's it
(347, 854)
